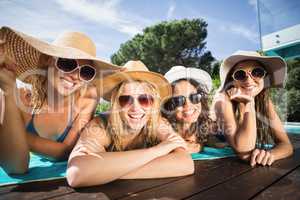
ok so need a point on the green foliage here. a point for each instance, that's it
(102, 107)
(293, 102)
(177, 42)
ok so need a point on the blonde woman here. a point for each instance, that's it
(132, 141)
(245, 111)
(48, 118)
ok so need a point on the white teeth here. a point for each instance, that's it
(68, 83)
(189, 112)
(136, 116)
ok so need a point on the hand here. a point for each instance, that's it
(193, 147)
(262, 157)
(171, 143)
(239, 95)
(7, 80)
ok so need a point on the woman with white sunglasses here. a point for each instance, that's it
(47, 118)
(244, 110)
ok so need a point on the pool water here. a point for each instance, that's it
(292, 127)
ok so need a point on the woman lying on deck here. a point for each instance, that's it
(245, 111)
(48, 118)
(132, 141)
(187, 110)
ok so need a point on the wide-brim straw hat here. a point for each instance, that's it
(134, 71)
(274, 65)
(198, 75)
(25, 51)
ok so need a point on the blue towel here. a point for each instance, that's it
(39, 169)
(210, 153)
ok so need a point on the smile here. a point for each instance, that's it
(136, 116)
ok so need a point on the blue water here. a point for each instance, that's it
(292, 128)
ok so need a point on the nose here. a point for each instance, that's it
(74, 75)
(135, 105)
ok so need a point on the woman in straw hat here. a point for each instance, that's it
(187, 110)
(132, 141)
(245, 111)
(46, 119)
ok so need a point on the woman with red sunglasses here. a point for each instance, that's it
(187, 110)
(244, 110)
(47, 118)
(131, 141)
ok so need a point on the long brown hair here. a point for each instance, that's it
(116, 127)
(202, 126)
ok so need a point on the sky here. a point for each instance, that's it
(232, 24)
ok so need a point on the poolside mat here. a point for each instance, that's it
(40, 169)
(210, 153)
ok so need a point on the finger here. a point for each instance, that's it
(253, 157)
(265, 158)
(270, 160)
(260, 156)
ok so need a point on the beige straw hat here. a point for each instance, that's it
(25, 51)
(275, 66)
(134, 71)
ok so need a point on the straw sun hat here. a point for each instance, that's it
(135, 71)
(181, 72)
(25, 51)
(274, 65)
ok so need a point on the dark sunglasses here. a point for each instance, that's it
(179, 101)
(144, 100)
(86, 72)
(256, 73)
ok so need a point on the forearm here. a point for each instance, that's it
(177, 163)
(14, 153)
(282, 150)
(104, 167)
(245, 137)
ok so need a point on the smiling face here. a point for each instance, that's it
(189, 112)
(65, 83)
(136, 114)
(251, 86)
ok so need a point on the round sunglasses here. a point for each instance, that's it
(179, 101)
(144, 100)
(256, 73)
(86, 72)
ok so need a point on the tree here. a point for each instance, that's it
(177, 42)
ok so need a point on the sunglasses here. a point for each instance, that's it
(144, 100)
(256, 73)
(179, 101)
(86, 72)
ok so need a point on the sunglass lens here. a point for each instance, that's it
(145, 100)
(125, 100)
(66, 65)
(195, 98)
(87, 73)
(258, 72)
(240, 75)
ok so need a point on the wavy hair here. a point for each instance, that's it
(116, 127)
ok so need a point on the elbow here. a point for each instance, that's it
(188, 166)
(73, 176)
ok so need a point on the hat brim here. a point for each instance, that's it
(275, 66)
(108, 84)
(26, 50)
(200, 76)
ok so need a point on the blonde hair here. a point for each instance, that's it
(115, 126)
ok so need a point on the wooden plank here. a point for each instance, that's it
(286, 188)
(116, 189)
(123, 188)
(200, 181)
(249, 184)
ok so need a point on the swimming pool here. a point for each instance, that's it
(292, 127)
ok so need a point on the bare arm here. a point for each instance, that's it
(240, 135)
(90, 164)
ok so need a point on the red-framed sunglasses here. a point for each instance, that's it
(144, 100)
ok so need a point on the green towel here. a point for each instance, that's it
(210, 153)
(39, 169)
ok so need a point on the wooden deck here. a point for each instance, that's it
(226, 178)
